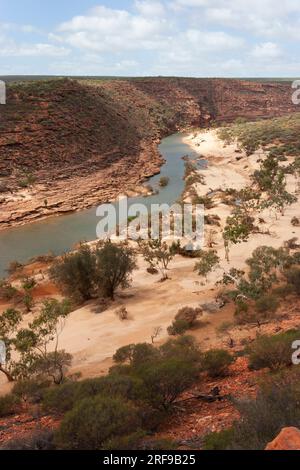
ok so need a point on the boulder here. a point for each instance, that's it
(288, 439)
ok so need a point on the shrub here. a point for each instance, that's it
(164, 181)
(7, 291)
(266, 304)
(60, 399)
(115, 264)
(295, 221)
(283, 291)
(293, 278)
(112, 385)
(8, 404)
(184, 320)
(86, 273)
(76, 273)
(41, 440)
(99, 423)
(14, 266)
(218, 440)
(276, 406)
(208, 260)
(273, 352)
(63, 398)
(164, 381)
(178, 327)
(262, 311)
(30, 390)
(161, 374)
(224, 327)
(216, 362)
(189, 314)
(122, 313)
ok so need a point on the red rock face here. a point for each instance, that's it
(288, 439)
(60, 127)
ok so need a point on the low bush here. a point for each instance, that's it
(30, 390)
(274, 352)
(185, 319)
(178, 327)
(293, 279)
(218, 440)
(41, 440)
(163, 373)
(164, 181)
(7, 291)
(267, 304)
(60, 399)
(216, 362)
(8, 405)
(100, 423)
(276, 406)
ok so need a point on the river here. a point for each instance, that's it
(60, 234)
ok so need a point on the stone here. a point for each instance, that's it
(288, 439)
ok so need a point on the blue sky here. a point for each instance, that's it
(230, 38)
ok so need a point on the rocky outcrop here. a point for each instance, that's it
(288, 439)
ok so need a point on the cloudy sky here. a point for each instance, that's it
(232, 38)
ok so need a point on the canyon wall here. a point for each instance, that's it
(104, 133)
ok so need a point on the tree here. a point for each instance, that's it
(208, 260)
(264, 265)
(76, 274)
(35, 348)
(237, 230)
(114, 265)
(158, 255)
(9, 322)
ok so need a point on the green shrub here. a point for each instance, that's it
(41, 440)
(61, 398)
(185, 320)
(218, 440)
(164, 381)
(8, 405)
(76, 274)
(7, 291)
(161, 374)
(164, 181)
(30, 390)
(276, 406)
(267, 304)
(273, 352)
(293, 278)
(216, 362)
(178, 327)
(100, 423)
(283, 291)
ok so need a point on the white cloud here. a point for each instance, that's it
(267, 50)
(9, 48)
(107, 30)
(150, 8)
(184, 37)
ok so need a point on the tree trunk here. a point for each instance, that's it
(8, 375)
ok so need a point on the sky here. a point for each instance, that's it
(199, 38)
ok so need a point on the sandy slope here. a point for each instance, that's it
(94, 337)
